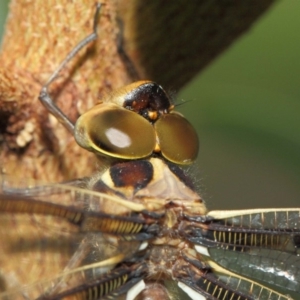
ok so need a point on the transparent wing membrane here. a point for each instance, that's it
(259, 244)
(42, 238)
(251, 254)
(275, 269)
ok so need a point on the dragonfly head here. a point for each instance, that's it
(135, 122)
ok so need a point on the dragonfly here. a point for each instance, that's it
(138, 230)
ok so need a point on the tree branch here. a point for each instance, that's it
(167, 41)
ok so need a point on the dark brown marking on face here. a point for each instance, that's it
(147, 97)
(135, 174)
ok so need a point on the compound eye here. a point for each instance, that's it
(177, 139)
(115, 131)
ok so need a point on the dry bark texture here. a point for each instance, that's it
(167, 41)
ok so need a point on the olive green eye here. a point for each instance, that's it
(142, 126)
(115, 131)
(177, 138)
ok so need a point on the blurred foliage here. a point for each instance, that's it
(3, 13)
(246, 108)
(247, 111)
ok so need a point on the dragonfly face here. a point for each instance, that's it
(139, 230)
(135, 122)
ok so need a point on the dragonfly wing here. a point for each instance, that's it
(260, 244)
(30, 251)
(275, 269)
(41, 237)
(205, 279)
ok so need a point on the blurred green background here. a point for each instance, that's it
(246, 108)
(3, 13)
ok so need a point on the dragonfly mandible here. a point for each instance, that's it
(139, 230)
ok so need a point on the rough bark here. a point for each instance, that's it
(167, 41)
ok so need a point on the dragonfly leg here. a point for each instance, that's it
(45, 97)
